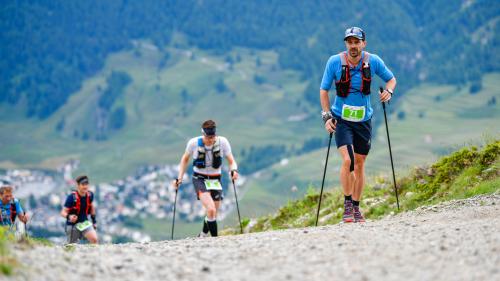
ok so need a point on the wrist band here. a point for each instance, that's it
(234, 166)
(326, 115)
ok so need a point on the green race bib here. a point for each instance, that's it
(81, 226)
(213, 185)
(353, 113)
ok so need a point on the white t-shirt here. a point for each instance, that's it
(192, 149)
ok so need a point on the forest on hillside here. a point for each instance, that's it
(49, 47)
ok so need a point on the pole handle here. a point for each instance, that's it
(381, 91)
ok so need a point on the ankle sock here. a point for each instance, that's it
(355, 203)
(347, 198)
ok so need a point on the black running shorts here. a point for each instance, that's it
(357, 134)
(199, 186)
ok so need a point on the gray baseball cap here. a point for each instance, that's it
(355, 32)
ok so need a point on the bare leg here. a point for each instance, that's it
(208, 203)
(91, 236)
(347, 178)
(217, 205)
(359, 172)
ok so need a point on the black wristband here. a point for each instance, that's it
(94, 221)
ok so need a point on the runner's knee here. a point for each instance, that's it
(346, 162)
(211, 212)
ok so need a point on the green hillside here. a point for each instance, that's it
(465, 173)
(164, 107)
(49, 48)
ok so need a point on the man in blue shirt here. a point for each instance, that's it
(350, 115)
(10, 207)
(77, 207)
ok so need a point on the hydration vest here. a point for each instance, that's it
(200, 161)
(344, 84)
(13, 212)
(76, 209)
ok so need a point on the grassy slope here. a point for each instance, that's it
(458, 119)
(156, 131)
(465, 173)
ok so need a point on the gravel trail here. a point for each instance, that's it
(456, 240)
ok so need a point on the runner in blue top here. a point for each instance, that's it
(350, 115)
(77, 208)
(10, 207)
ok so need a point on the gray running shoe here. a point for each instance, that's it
(358, 217)
(348, 216)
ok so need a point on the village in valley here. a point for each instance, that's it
(121, 204)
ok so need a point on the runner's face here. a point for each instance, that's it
(354, 46)
(209, 140)
(6, 197)
(82, 188)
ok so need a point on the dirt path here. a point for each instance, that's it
(457, 240)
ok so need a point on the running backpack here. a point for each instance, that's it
(200, 161)
(344, 84)
(76, 208)
(13, 211)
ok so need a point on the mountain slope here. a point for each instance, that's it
(251, 98)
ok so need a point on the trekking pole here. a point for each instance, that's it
(324, 174)
(25, 227)
(175, 204)
(237, 206)
(390, 150)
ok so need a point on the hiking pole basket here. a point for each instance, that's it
(324, 174)
(390, 151)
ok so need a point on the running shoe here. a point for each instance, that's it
(358, 217)
(348, 216)
(202, 235)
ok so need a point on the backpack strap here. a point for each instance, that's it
(366, 74)
(344, 84)
(87, 210)
(343, 58)
(199, 161)
(13, 211)
(77, 206)
(366, 59)
(216, 144)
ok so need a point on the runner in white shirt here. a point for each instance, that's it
(208, 151)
